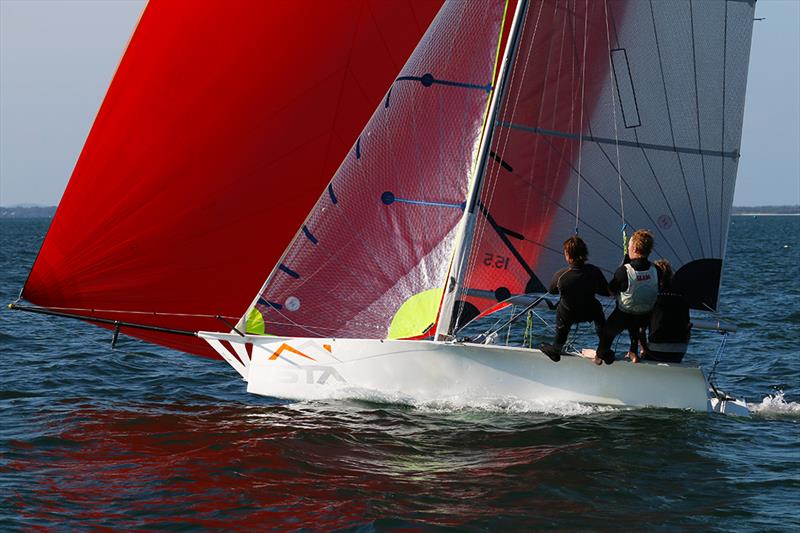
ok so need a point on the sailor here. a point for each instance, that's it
(577, 284)
(670, 324)
(635, 285)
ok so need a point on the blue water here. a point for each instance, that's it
(143, 437)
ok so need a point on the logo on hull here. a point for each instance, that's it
(308, 374)
(313, 374)
(277, 353)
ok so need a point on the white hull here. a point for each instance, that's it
(304, 369)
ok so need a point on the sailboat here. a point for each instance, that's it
(241, 154)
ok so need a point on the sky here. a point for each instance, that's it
(57, 58)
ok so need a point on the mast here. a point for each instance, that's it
(464, 240)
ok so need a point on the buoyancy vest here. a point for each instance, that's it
(642, 292)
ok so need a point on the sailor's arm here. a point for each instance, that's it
(554, 281)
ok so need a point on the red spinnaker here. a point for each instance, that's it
(220, 130)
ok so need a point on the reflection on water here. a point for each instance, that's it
(342, 464)
(146, 438)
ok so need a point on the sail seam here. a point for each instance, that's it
(655, 178)
(699, 129)
(633, 193)
(607, 140)
(722, 137)
(671, 126)
(599, 194)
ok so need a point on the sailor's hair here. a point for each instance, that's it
(666, 274)
(576, 250)
(642, 242)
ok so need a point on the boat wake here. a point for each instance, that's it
(458, 404)
(498, 405)
(775, 406)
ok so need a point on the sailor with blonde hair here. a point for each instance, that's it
(635, 285)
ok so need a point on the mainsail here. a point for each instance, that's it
(620, 114)
(223, 124)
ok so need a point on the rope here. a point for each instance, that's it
(717, 359)
(508, 331)
(580, 124)
(614, 114)
(573, 335)
(624, 238)
(527, 338)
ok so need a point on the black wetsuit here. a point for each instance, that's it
(620, 320)
(577, 286)
(670, 329)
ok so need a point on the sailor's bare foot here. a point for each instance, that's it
(632, 356)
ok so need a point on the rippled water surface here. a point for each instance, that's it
(143, 437)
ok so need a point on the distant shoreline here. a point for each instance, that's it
(766, 210)
(765, 214)
(27, 211)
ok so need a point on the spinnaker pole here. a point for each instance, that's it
(458, 266)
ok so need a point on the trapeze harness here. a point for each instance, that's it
(642, 292)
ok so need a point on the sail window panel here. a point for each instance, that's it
(399, 195)
(626, 91)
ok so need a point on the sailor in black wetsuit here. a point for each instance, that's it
(635, 285)
(670, 323)
(577, 284)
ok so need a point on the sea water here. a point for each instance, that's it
(143, 437)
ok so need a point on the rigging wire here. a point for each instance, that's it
(133, 312)
(717, 359)
(490, 179)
